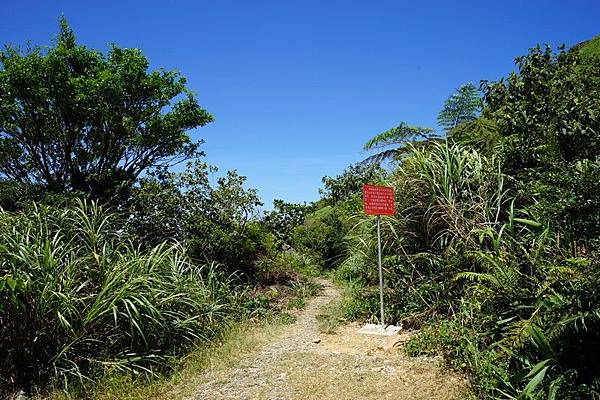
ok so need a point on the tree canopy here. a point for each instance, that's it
(547, 114)
(397, 137)
(462, 106)
(75, 119)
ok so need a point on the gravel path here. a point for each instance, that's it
(301, 363)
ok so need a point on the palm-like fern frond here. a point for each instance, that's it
(462, 105)
(400, 136)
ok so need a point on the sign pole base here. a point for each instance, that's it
(375, 330)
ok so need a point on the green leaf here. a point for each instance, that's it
(528, 222)
(538, 372)
(554, 386)
(12, 283)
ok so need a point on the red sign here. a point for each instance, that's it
(378, 200)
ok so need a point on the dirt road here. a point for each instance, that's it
(302, 363)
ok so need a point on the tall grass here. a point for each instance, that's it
(77, 299)
(489, 285)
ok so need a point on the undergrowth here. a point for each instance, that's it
(486, 285)
(79, 302)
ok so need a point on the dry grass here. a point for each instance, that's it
(304, 362)
(271, 360)
(238, 341)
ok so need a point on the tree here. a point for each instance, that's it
(462, 105)
(322, 235)
(349, 182)
(398, 137)
(284, 218)
(74, 119)
(217, 222)
(480, 133)
(547, 115)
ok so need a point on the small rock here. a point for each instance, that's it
(316, 341)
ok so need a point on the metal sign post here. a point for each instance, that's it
(380, 271)
(378, 201)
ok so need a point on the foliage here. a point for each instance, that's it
(480, 133)
(77, 299)
(547, 114)
(588, 49)
(322, 233)
(398, 137)
(216, 222)
(444, 194)
(14, 196)
(322, 236)
(493, 254)
(74, 119)
(284, 218)
(87, 294)
(350, 182)
(288, 265)
(490, 284)
(462, 106)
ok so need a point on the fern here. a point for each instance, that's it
(398, 136)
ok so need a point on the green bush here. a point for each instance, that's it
(217, 222)
(547, 118)
(490, 286)
(322, 236)
(283, 219)
(78, 299)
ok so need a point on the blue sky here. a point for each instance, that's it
(296, 87)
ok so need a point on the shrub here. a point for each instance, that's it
(322, 235)
(547, 115)
(490, 286)
(77, 298)
(217, 222)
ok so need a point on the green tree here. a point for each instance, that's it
(462, 105)
(217, 222)
(349, 182)
(284, 218)
(547, 115)
(396, 138)
(74, 119)
(480, 133)
(322, 235)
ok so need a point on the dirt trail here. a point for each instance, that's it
(301, 363)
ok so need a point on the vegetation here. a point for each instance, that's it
(218, 223)
(493, 253)
(74, 119)
(397, 137)
(113, 266)
(77, 296)
(547, 116)
(588, 49)
(460, 107)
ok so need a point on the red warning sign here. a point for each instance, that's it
(378, 200)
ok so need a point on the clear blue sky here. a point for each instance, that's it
(296, 87)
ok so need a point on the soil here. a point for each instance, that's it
(302, 363)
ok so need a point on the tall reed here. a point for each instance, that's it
(77, 298)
